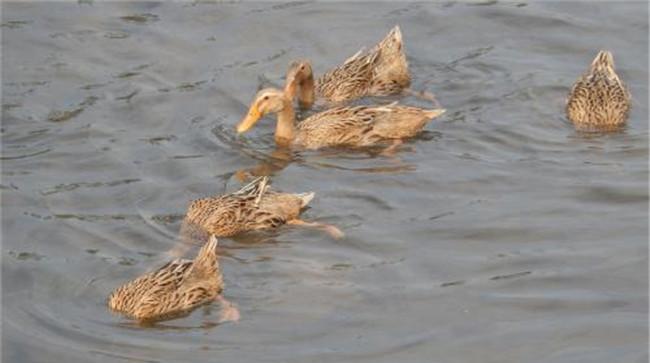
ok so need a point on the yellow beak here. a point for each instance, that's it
(250, 120)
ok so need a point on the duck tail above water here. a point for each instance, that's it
(305, 198)
(433, 113)
(205, 262)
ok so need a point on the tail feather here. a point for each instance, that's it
(396, 32)
(206, 259)
(603, 58)
(603, 63)
(305, 198)
(434, 113)
(253, 187)
(394, 35)
(391, 65)
(354, 56)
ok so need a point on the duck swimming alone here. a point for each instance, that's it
(381, 71)
(173, 290)
(340, 126)
(253, 207)
(599, 100)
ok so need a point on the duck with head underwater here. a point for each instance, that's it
(174, 290)
(253, 207)
(599, 100)
(380, 71)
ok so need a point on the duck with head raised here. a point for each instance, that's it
(352, 126)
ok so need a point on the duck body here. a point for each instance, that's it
(173, 290)
(361, 125)
(599, 100)
(380, 71)
(253, 207)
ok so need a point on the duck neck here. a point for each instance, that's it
(285, 130)
(306, 94)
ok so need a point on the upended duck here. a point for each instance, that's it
(340, 126)
(380, 71)
(253, 207)
(174, 290)
(599, 100)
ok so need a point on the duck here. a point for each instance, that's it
(253, 207)
(380, 71)
(599, 100)
(349, 126)
(172, 291)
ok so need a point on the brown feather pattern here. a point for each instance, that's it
(361, 125)
(253, 207)
(173, 290)
(599, 99)
(381, 71)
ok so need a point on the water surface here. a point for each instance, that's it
(497, 235)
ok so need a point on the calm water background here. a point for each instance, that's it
(498, 235)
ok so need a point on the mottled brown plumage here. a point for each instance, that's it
(390, 75)
(599, 100)
(339, 126)
(173, 290)
(253, 207)
(381, 71)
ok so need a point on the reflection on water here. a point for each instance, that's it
(500, 232)
(279, 159)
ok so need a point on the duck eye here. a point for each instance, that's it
(265, 98)
(302, 67)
